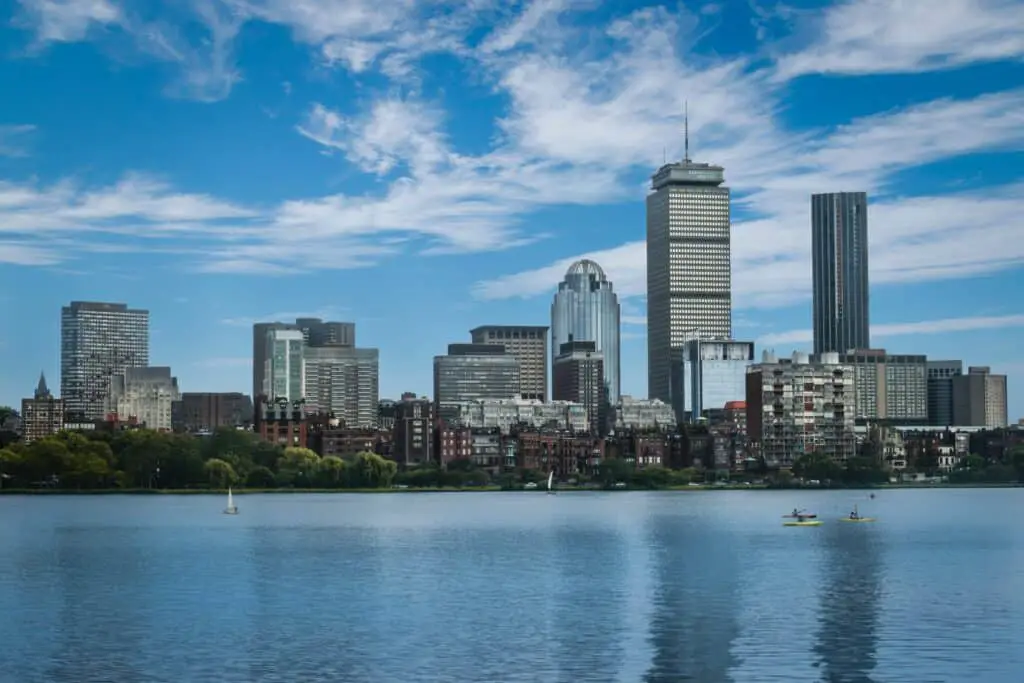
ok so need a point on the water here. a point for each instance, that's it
(507, 587)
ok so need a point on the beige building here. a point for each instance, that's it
(797, 407)
(42, 415)
(979, 399)
(529, 345)
(146, 394)
(893, 388)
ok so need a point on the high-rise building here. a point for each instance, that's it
(689, 277)
(529, 344)
(940, 391)
(714, 373)
(979, 399)
(98, 341)
(42, 415)
(343, 381)
(315, 332)
(471, 372)
(146, 395)
(890, 387)
(839, 265)
(585, 309)
(284, 367)
(578, 376)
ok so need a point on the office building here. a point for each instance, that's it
(145, 395)
(585, 309)
(472, 372)
(689, 277)
(97, 341)
(643, 415)
(529, 345)
(839, 268)
(796, 407)
(890, 388)
(940, 391)
(979, 399)
(42, 415)
(206, 411)
(343, 381)
(713, 374)
(578, 376)
(284, 365)
(315, 332)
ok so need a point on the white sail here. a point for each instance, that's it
(231, 501)
(551, 479)
(230, 509)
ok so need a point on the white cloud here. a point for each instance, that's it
(906, 329)
(64, 21)
(882, 36)
(326, 313)
(12, 139)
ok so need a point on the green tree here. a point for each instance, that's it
(652, 477)
(297, 467)
(817, 466)
(260, 477)
(221, 473)
(331, 472)
(371, 471)
(611, 471)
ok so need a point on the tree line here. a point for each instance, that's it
(146, 459)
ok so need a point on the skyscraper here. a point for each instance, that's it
(529, 344)
(689, 277)
(97, 341)
(284, 370)
(839, 264)
(343, 381)
(471, 372)
(315, 332)
(585, 309)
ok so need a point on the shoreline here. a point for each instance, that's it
(483, 489)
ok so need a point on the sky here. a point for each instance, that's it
(422, 167)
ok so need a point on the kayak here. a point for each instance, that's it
(809, 515)
(813, 522)
(859, 519)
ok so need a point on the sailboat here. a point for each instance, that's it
(231, 509)
(551, 482)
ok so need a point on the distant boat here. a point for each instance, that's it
(231, 509)
(801, 522)
(551, 481)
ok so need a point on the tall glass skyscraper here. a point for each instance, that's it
(586, 309)
(839, 256)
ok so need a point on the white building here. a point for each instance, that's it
(145, 394)
(713, 373)
(503, 414)
(644, 414)
(284, 373)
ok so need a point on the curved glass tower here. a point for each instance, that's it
(586, 309)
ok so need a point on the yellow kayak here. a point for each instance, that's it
(859, 519)
(810, 522)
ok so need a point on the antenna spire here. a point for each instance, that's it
(686, 131)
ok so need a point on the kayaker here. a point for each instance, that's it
(854, 515)
(796, 513)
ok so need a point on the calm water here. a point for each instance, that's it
(506, 587)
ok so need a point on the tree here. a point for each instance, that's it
(221, 473)
(297, 467)
(817, 465)
(371, 471)
(332, 472)
(611, 471)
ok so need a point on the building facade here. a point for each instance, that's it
(413, 432)
(689, 276)
(796, 407)
(315, 332)
(890, 388)
(472, 372)
(940, 390)
(206, 411)
(505, 415)
(282, 422)
(585, 309)
(42, 415)
(643, 415)
(578, 376)
(344, 382)
(284, 366)
(839, 265)
(146, 395)
(713, 373)
(979, 399)
(529, 345)
(98, 341)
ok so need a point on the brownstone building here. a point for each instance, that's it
(565, 454)
(282, 422)
(347, 443)
(452, 442)
(206, 411)
(413, 438)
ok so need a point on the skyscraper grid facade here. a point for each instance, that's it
(839, 265)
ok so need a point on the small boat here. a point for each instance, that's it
(856, 519)
(231, 509)
(802, 522)
(551, 481)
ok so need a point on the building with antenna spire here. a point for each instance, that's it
(42, 415)
(689, 276)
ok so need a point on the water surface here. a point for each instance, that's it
(509, 587)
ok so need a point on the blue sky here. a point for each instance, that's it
(426, 166)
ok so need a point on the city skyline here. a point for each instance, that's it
(217, 189)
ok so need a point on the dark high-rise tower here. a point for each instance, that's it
(839, 255)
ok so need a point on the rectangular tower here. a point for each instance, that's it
(529, 344)
(284, 370)
(839, 265)
(689, 277)
(97, 341)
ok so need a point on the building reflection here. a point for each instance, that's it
(695, 612)
(851, 592)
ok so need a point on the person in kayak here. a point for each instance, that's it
(854, 514)
(796, 513)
